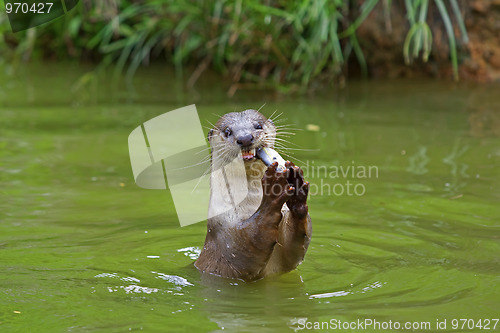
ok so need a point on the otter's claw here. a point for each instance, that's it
(297, 203)
(275, 186)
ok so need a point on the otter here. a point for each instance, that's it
(270, 230)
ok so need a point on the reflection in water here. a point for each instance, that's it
(192, 252)
(418, 162)
(458, 169)
(175, 284)
(456, 153)
(179, 281)
(484, 112)
(374, 285)
(131, 288)
(240, 306)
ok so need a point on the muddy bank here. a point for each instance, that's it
(382, 37)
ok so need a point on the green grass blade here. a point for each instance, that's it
(460, 21)
(367, 7)
(451, 36)
(359, 55)
(407, 43)
(410, 13)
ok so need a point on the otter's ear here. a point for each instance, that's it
(210, 134)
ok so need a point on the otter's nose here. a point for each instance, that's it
(245, 140)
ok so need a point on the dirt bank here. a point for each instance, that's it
(382, 37)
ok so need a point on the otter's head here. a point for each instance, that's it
(241, 131)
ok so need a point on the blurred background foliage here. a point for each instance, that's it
(287, 45)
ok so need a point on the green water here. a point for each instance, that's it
(83, 249)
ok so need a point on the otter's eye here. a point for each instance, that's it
(257, 126)
(227, 132)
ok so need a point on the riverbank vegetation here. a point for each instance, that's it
(284, 45)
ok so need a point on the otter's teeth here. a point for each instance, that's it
(248, 155)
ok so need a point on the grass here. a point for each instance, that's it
(419, 37)
(280, 44)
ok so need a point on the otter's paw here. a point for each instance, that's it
(275, 187)
(297, 203)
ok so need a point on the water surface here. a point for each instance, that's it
(83, 249)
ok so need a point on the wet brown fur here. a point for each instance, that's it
(265, 233)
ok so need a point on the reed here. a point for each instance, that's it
(274, 43)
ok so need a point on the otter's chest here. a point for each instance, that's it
(254, 172)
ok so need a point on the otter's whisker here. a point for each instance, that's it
(287, 134)
(192, 165)
(284, 141)
(272, 115)
(213, 126)
(287, 128)
(207, 171)
(207, 127)
(296, 149)
(293, 157)
(235, 243)
(277, 118)
(281, 146)
(203, 150)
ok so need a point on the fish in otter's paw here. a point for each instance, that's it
(270, 230)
